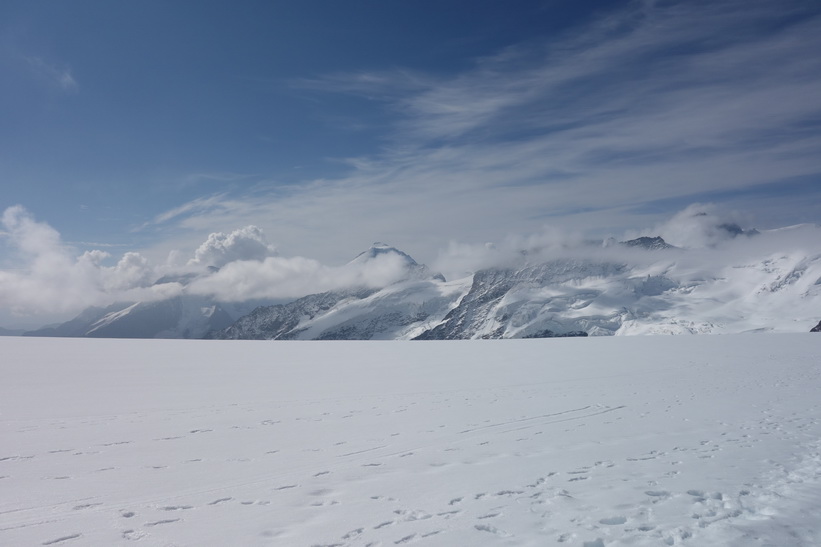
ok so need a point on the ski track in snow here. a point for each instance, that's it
(634, 441)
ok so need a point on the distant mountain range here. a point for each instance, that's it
(178, 317)
(652, 289)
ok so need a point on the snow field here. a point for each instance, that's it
(706, 440)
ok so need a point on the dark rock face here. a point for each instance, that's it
(489, 286)
(816, 328)
(547, 333)
(649, 243)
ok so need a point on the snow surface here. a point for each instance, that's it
(590, 442)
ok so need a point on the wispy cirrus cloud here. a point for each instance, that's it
(60, 77)
(200, 205)
(611, 126)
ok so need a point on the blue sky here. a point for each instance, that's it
(116, 113)
(146, 126)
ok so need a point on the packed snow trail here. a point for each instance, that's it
(711, 440)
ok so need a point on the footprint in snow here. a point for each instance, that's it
(84, 506)
(220, 500)
(353, 533)
(449, 514)
(133, 535)
(492, 530)
(413, 515)
(159, 522)
(62, 539)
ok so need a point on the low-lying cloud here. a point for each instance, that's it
(279, 277)
(51, 279)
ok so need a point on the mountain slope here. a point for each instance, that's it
(401, 310)
(648, 287)
(282, 321)
(553, 298)
(177, 317)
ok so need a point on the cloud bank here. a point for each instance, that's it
(52, 279)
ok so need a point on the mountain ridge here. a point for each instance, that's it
(650, 288)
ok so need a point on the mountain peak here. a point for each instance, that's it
(379, 248)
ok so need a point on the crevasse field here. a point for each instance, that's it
(708, 440)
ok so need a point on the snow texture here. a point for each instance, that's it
(641, 441)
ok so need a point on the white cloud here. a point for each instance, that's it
(699, 225)
(198, 206)
(219, 249)
(53, 279)
(50, 279)
(616, 126)
(279, 277)
(60, 77)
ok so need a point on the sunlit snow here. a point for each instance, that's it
(709, 440)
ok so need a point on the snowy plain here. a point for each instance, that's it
(692, 440)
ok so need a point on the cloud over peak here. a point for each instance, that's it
(219, 249)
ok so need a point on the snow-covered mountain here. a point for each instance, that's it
(556, 298)
(180, 316)
(177, 317)
(640, 286)
(647, 287)
(401, 310)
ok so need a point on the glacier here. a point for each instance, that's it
(603, 441)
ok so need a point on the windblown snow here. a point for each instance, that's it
(593, 442)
